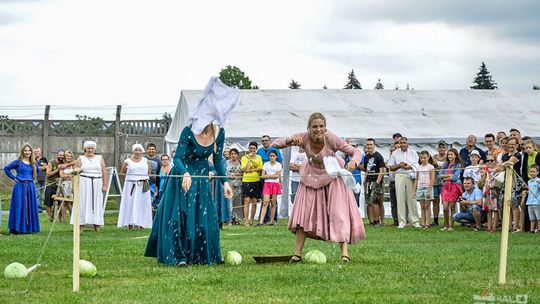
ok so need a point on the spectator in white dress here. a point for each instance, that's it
(135, 206)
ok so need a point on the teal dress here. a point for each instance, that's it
(186, 228)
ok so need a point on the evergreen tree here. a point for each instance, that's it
(234, 77)
(352, 82)
(255, 87)
(536, 87)
(324, 87)
(294, 85)
(397, 88)
(379, 85)
(483, 80)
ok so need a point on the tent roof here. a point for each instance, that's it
(422, 116)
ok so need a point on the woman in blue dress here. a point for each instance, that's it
(23, 211)
(186, 229)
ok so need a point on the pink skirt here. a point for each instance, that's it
(329, 213)
(450, 192)
(272, 188)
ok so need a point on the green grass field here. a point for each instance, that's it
(390, 266)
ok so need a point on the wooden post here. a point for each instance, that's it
(509, 174)
(118, 146)
(45, 139)
(76, 229)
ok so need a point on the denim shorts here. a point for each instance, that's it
(534, 212)
(422, 194)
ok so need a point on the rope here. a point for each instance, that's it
(55, 220)
(284, 176)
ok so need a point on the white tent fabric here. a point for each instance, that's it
(423, 116)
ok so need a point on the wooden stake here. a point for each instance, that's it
(76, 228)
(509, 175)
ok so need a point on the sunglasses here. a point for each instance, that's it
(489, 160)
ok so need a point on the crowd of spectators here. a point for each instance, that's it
(467, 183)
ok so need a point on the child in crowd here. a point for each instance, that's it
(440, 159)
(425, 178)
(533, 200)
(474, 169)
(451, 191)
(491, 193)
(272, 187)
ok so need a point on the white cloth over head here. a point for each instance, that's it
(333, 169)
(135, 146)
(216, 104)
(89, 143)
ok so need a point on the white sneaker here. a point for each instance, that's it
(401, 226)
(444, 229)
(416, 225)
(450, 229)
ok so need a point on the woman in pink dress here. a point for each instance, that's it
(324, 208)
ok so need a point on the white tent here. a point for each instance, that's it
(425, 117)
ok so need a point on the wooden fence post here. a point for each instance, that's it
(117, 138)
(509, 174)
(76, 229)
(45, 139)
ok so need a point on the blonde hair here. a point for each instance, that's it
(212, 129)
(32, 158)
(314, 116)
(68, 152)
(530, 141)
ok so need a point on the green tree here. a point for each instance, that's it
(234, 77)
(536, 87)
(483, 80)
(294, 85)
(352, 82)
(166, 118)
(325, 87)
(379, 85)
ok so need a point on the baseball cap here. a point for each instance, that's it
(474, 152)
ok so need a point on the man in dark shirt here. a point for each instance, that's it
(53, 174)
(465, 151)
(155, 165)
(374, 167)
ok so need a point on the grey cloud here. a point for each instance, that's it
(511, 19)
(515, 73)
(7, 19)
(371, 62)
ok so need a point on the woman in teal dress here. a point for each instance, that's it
(186, 229)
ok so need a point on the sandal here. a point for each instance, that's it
(345, 259)
(295, 259)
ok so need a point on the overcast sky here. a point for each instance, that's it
(142, 53)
